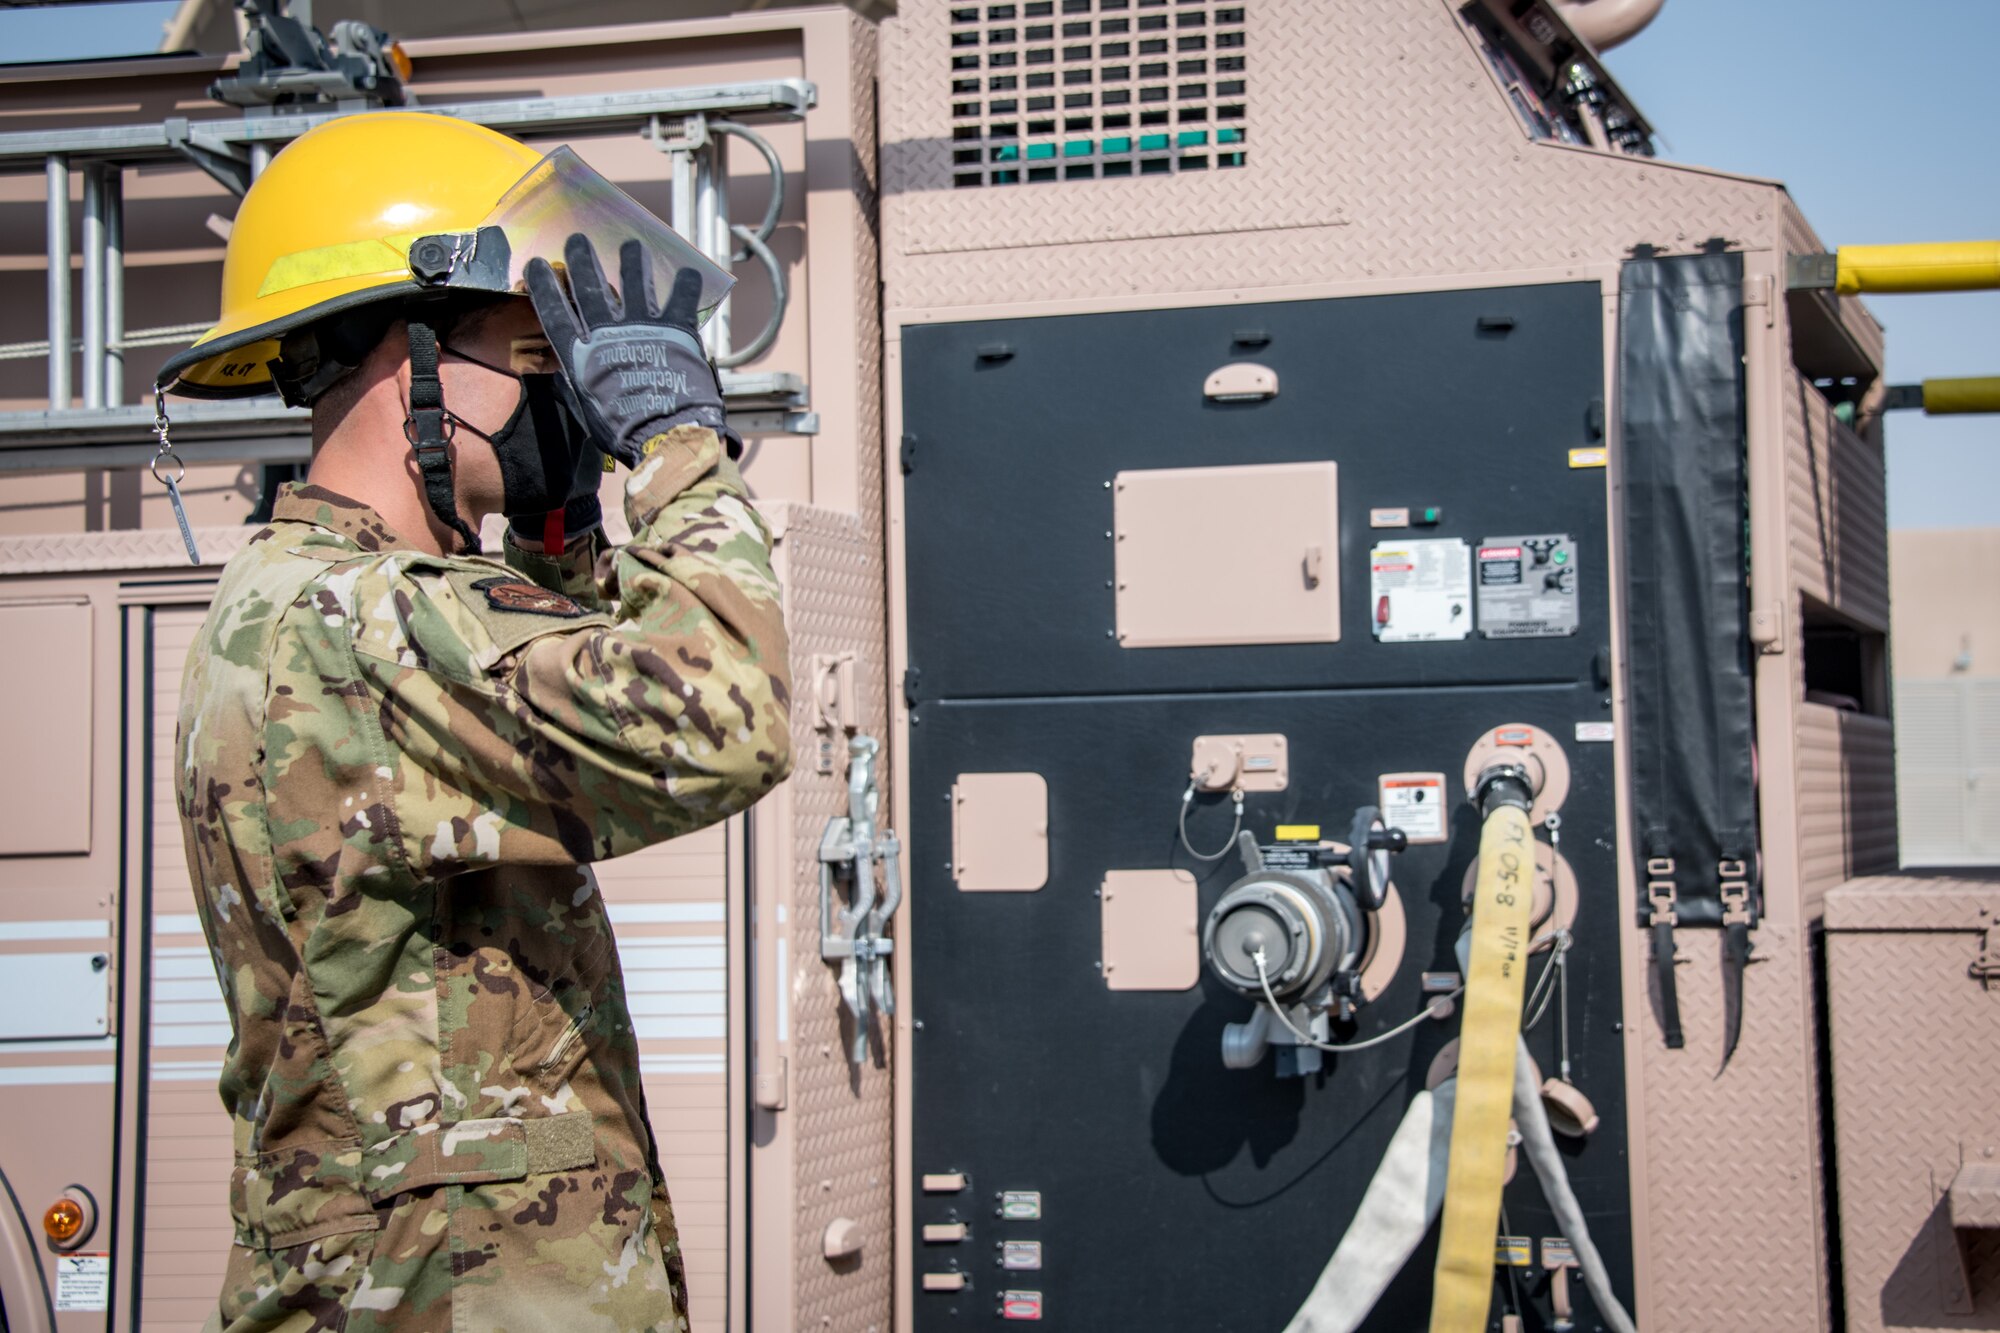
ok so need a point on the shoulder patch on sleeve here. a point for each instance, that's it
(504, 593)
(509, 611)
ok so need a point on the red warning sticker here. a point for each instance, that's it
(1020, 1305)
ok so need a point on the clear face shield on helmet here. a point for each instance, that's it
(559, 198)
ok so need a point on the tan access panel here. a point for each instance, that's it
(1152, 930)
(1227, 555)
(46, 682)
(1000, 832)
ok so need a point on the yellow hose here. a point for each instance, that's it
(1501, 897)
(1942, 266)
(1977, 393)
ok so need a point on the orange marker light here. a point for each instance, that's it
(63, 1221)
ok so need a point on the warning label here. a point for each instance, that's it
(1513, 1251)
(1020, 1305)
(1527, 587)
(1421, 592)
(1414, 803)
(1296, 856)
(83, 1282)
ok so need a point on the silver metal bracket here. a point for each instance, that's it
(853, 935)
(1985, 966)
(1813, 272)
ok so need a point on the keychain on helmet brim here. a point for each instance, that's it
(165, 453)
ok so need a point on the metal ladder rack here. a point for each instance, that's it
(233, 150)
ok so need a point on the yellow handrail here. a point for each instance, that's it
(1939, 266)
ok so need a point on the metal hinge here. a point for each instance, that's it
(1985, 967)
(1767, 630)
(908, 455)
(913, 686)
(1760, 290)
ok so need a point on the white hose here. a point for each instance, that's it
(1396, 1210)
(1539, 1143)
(1389, 1225)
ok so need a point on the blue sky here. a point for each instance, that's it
(84, 32)
(1882, 121)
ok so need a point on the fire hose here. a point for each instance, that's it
(1449, 1152)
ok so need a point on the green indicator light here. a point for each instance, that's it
(1041, 150)
(1149, 142)
(1229, 136)
(1077, 148)
(1193, 138)
(1433, 514)
(1562, 556)
(1119, 145)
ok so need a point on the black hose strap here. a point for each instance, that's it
(1663, 968)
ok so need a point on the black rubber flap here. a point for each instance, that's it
(1681, 406)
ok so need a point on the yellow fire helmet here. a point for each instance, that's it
(394, 205)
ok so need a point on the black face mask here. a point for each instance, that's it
(545, 451)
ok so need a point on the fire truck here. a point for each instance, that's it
(1338, 610)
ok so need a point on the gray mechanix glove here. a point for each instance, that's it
(637, 374)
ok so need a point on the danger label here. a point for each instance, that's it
(1527, 587)
(1421, 592)
(83, 1282)
(1414, 803)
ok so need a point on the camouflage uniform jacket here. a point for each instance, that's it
(393, 768)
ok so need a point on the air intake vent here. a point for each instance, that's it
(1045, 90)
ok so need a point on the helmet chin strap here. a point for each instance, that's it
(424, 427)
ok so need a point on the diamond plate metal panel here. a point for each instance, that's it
(867, 307)
(1908, 1025)
(1735, 1233)
(1410, 162)
(130, 548)
(1914, 902)
(841, 1117)
(832, 564)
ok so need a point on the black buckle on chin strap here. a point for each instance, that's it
(429, 429)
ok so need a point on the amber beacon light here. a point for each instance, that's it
(69, 1221)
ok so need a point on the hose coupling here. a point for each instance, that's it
(1503, 784)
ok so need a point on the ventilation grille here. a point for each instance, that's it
(1046, 90)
